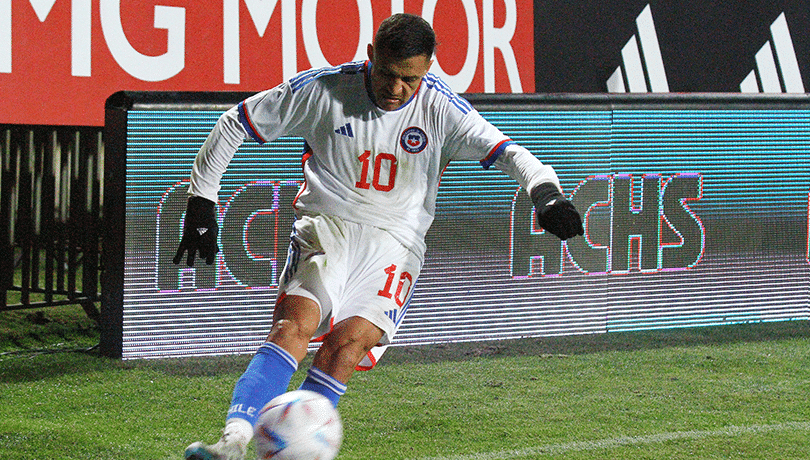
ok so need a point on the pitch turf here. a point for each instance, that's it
(732, 392)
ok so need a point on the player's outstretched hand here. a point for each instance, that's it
(199, 232)
(556, 214)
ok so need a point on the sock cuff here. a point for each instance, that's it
(270, 347)
(326, 380)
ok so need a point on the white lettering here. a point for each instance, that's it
(309, 30)
(5, 36)
(260, 12)
(500, 38)
(240, 409)
(141, 66)
(481, 31)
(459, 82)
(81, 13)
(289, 42)
(42, 8)
(231, 71)
(81, 47)
(236, 409)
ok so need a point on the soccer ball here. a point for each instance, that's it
(298, 425)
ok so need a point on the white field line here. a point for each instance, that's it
(551, 449)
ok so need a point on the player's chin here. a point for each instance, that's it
(390, 103)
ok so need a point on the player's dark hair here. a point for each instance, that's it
(403, 35)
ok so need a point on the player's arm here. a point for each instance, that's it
(200, 227)
(215, 154)
(263, 117)
(554, 213)
(471, 134)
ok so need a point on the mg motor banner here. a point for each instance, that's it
(60, 60)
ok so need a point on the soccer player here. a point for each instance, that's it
(378, 135)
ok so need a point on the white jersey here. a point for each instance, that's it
(362, 163)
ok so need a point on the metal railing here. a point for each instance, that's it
(50, 216)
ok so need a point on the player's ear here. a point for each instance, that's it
(370, 51)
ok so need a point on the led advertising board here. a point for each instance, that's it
(695, 208)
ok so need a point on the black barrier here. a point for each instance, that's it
(50, 221)
(696, 211)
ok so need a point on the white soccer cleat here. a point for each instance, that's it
(231, 446)
(222, 450)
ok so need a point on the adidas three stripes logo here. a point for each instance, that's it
(642, 68)
(765, 78)
(345, 130)
(634, 69)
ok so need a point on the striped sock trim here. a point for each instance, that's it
(326, 380)
(270, 347)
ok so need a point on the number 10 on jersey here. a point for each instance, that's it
(383, 177)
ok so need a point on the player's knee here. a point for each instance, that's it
(286, 329)
(348, 351)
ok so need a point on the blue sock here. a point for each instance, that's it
(267, 376)
(324, 384)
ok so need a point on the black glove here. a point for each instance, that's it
(199, 231)
(555, 213)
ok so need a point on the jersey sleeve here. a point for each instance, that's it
(519, 164)
(472, 137)
(475, 138)
(264, 117)
(215, 154)
(276, 112)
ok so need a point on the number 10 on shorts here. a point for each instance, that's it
(403, 285)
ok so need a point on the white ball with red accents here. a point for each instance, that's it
(299, 425)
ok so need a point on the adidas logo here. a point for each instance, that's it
(634, 69)
(765, 78)
(392, 314)
(345, 130)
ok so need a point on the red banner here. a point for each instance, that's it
(60, 60)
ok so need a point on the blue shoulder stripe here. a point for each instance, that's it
(302, 79)
(435, 83)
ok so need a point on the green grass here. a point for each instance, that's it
(733, 392)
(49, 329)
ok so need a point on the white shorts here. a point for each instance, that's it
(350, 270)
